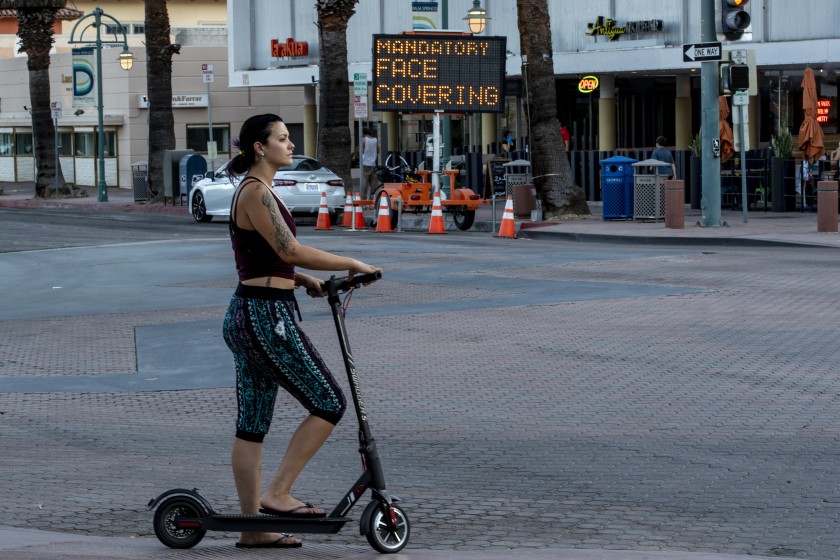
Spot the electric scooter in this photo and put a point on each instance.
(184, 516)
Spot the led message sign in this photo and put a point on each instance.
(450, 73)
(823, 109)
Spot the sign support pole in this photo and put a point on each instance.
(709, 91)
(55, 108)
(744, 202)
(362, 179)
(436, 152)
(208, 77)
(56, 157)
(446, 155)
(210, 128)
(360, 91)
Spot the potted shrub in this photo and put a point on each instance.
(696, 169)
(782, 173)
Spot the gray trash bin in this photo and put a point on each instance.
(649, 190)
(517, 172)
(139, 182)
(518, 185)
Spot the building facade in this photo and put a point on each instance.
(200, 28)
(633, 48)
(265, 58)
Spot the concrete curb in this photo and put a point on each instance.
(30, 544)
(537, 233)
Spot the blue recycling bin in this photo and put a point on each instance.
(191, 168)
(617, 187)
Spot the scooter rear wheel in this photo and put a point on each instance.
(168, 513)
(381, 537)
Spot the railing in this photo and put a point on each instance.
(770, 182)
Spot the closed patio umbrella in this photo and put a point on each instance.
(727, 141)
(810, 133)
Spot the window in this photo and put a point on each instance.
(23, 143)
(110, 144)
(197, 138)
(84, 142)
(7, 148)
(115, 29)
(65, 143)
(139, 28)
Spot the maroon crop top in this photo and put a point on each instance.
(255, 257)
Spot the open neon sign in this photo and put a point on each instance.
(588, 84)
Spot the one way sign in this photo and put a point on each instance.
(700, 52)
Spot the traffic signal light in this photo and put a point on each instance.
(733, 20)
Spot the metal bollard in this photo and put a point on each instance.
(675, 204)
(827, 206)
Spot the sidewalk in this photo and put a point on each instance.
(762, 229)
(22, 195)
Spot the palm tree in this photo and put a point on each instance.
(159, 53)
(333, 132)
(553, 175)
(35, 30)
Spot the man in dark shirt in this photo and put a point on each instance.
(663, 154)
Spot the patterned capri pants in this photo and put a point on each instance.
(269, 351)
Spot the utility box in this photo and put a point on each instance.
(191, 168)
(172, 171)
(649, 190)
(617, 188)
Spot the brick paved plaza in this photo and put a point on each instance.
(523, 393)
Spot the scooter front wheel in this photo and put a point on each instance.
(387, 528)
(166, 527)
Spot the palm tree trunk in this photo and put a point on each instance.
(159, 53)
(549, 165)
(35, 30)
(333, 131)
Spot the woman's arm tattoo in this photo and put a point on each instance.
(283, 237)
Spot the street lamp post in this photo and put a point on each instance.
(126, 62)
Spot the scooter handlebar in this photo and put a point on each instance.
(339, 284)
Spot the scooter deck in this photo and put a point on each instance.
(266, 523)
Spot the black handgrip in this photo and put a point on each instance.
(336, 285)
(341, 284)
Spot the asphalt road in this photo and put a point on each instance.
(527, 394)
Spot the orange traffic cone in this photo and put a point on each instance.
(508, 226)
(436, 223)
(358, 213)
(323, 214)
(347, 218)
(383, 219)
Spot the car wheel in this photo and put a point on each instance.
(199, 208)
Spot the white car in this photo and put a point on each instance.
(300, 185)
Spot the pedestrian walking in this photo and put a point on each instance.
(370, 155)
(663, 154)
